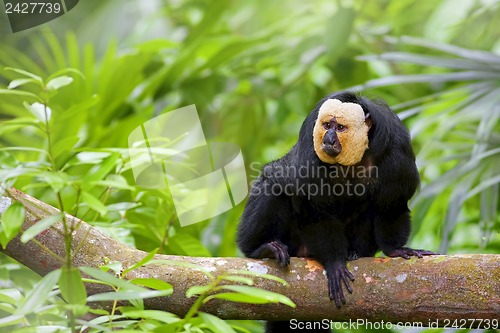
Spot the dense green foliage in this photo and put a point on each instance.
(72, 90)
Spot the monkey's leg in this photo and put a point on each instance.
(360, 237)
(274, 249)
(327, 243)
(406, 252)
(392, 231)
(264, 228)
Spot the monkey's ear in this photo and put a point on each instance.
(368, 120)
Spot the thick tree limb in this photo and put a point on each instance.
(394, 290)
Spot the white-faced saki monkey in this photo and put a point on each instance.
(340, 193)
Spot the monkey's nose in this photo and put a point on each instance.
(331, 149)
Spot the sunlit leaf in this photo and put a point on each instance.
(41, 111)
(59, 82)
(39, 227)
(216, 324)
(71, 286)
(141, 262)
(270, 296)
(11, 221)
(19, 82)
(94, 203)
(25, 73)
(165, 317)
(18, 93)
(57, 180)
(38, 295)
(128, 295)
(152, 283)
(197, 290)
(111, 279)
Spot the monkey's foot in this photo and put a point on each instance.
(274, 249)
(406, 252)
(337, 273)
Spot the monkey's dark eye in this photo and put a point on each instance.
(326, 126)
(341, 128)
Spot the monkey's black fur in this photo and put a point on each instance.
(335, 227)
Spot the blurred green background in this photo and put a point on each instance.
(255, 69)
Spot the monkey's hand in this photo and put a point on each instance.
(406, 252)
(338, 274)
(274, 249)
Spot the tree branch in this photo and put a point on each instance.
(393, 290)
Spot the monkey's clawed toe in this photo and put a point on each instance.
(280, 252)
(338, 274)
(406, 252)
(273, 249)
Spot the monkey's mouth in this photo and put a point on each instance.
(332, 149)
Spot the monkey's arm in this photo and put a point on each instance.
(263, 230)
(398, 182)
(392, 230)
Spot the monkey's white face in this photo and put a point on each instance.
(340, 133)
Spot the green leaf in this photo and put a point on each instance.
(11, 221)
(7, 308)
(10, 296)
(483, 185)
(26, 73)
(115, 181)
(270, 296)
(341, 24)
(64, 146)
(238, 298)
(16, 123)
(425, 60)
(122, 206)
(141, 262)
(57, 180)
(71, 286)
(18, 93)
(39, 294)
(215, 323)
(477, 55)
(115, 266)
(241, 279)
(197, 290)
(92, 157)
(164, 317)
(11, 320)
(67, 71)
(77, 309)
(128, 295)
(427, 78)
(19, 82)
(110, 279)
(59, 82)
(41, 111)
(152, 283)
(39, 227)
(260, 275)
(94, 203)
(100, 171)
